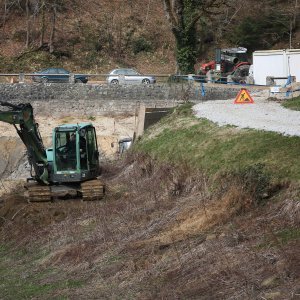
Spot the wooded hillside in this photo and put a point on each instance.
(96, 36)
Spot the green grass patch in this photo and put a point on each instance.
(280, 238)
(293, 103)
(21, 278)
(286, 235)
(203, 145)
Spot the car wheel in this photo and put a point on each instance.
(114, 81)
(44, 80)
(146, 81)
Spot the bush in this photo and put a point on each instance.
(255, 180)
(19, 36)
(252, 180)
(140, 44)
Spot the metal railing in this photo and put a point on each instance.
(101, 78)
(98, 77)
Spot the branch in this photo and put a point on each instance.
(169, 14)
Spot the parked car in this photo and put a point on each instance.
(129, 76)
(57, 75)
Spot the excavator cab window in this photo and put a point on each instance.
(65, 151)
(92, 148)
(82, 149)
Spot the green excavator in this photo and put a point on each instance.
(70, 168)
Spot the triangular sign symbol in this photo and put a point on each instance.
(243, 97)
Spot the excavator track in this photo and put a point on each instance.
(92, 190)
(38, 193)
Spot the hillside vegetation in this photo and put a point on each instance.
(96, 36)
(194, 211)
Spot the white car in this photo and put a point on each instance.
(129, 76)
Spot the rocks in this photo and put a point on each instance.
(272, 296)
(269, 282)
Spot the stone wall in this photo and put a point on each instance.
(96, 99)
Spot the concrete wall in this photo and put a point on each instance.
(95, 99)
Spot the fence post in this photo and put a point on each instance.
(72, 78)
(21, 78)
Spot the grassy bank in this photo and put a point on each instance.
(293, 104)
(206, 146)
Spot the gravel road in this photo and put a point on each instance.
(262, 114)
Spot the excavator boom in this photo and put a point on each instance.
(21, 117)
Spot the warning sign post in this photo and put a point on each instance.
(243, 97)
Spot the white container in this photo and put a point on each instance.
(276, 63)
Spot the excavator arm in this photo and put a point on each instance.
(21, 117)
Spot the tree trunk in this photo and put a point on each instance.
(52, 34)
(183, 16)
(4, 15)
(28, 24)
(43, 27)
(185, 50)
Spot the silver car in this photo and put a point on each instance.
(128, 76)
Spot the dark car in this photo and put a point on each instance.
(57, 75)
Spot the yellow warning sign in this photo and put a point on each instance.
(243, 97)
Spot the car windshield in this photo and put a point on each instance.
(45, 71)
(62, 71)
(132, 72)
(54, 71)
(125, 72)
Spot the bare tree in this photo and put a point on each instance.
(43, 26)
(53, 27)
(7, 5)
(27, 7)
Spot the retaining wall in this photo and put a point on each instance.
(95, 99)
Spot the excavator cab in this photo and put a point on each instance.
(75, 153)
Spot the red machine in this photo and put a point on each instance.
(227, 61)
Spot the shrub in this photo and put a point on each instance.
(256, 180)
(253, 180)
(250, 185)
(19, 36)
(141, 44)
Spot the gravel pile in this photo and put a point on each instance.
(262, 114)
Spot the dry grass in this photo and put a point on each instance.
(162, 232)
